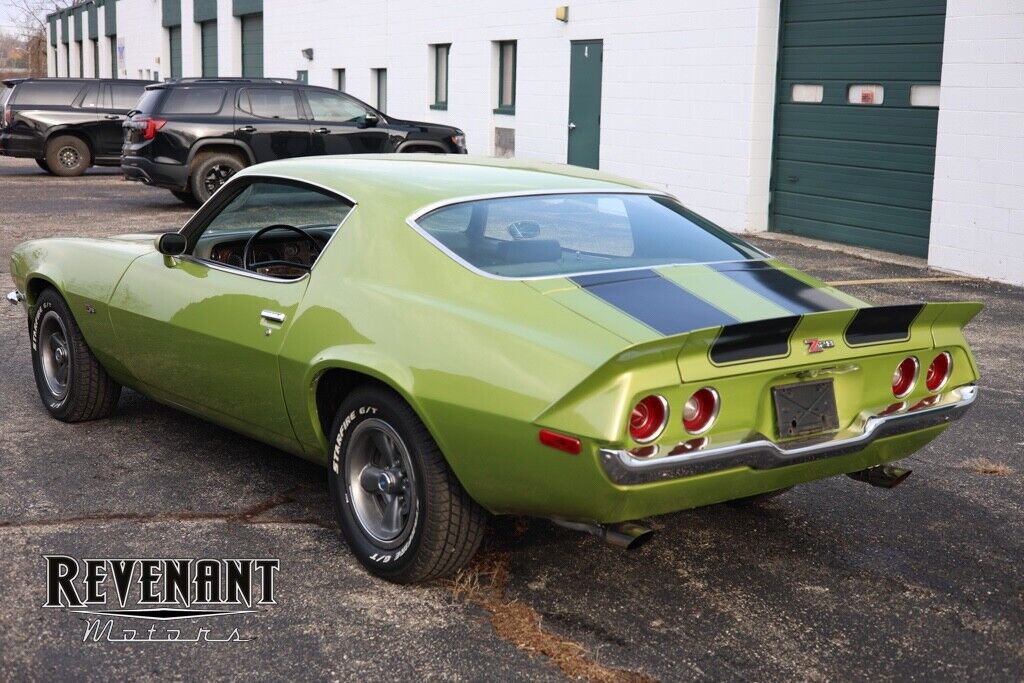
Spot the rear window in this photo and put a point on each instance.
(149, 100)
(5, 93)
(193, 101)
(47, 93)
(561, 234)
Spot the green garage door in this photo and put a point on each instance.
(855, 123)
(174, 37)
(252, 46)
(209, 48)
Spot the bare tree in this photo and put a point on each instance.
(30, 18)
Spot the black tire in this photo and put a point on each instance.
(759, 498)
(442, 527)
(43, 165)
(185, 196)
(67, 156)
(210, 170)
(88, 393)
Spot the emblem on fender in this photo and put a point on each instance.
(818, 345)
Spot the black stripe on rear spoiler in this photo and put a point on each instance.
(881, 324)
(757, 339)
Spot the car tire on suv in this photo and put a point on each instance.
(45, 166)
(67, 156)
(210, 170)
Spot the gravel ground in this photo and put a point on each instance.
(834, 580)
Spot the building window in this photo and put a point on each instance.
(380, 79)
(441, 53)
(809, 93)
(865, 94)
(339, 79)
(924, 95)
(113, 57)
(506, 77)
(302, 76)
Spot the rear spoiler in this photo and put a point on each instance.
(711, 352)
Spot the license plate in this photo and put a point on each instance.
(805, 408)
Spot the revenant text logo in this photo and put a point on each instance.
(114, 594)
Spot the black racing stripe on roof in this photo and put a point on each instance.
(882, 324)
(654, 301)
(779, 287)
(757, 339)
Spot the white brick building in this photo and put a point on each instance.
(827, 127)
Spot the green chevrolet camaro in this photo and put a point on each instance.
(452, 337)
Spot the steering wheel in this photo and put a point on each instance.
(247, 252)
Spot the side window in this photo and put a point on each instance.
(280, 253)
(125, 97)
(270, 103)
(92, 98)
(47, 93)
(193, 101)
(330, 107)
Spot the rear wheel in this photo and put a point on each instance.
(210, 170)
(72, 383)
(67, 156)
(185, 196)
(43, 165)
(404, 514)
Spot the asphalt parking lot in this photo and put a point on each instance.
(834, 580)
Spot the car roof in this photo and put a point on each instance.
(410, 182)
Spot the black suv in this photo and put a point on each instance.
(66, 124)
(191, 135)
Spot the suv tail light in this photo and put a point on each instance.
(700, 410)
(146, 126)
(939, 371)
(905, 377)
(648, 418)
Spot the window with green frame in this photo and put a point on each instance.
(302, 76)
(441, 53)
(380, 78)
(339, 79)
(506, 77)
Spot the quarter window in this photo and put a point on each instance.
(506, 77)
(192, 101)
(125, 96)
(441, 53)
(270, 103)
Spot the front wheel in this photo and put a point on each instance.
(72, 383)
(404, 514)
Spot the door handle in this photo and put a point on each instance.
(113, 117)
(322, 131)
(272, 316)
(572, 126)
(246, 129)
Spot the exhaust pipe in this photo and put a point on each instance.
(883, 476)
(625, 535)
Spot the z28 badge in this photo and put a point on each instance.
(818, 345)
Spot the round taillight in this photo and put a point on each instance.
(648, 418)
(700, 410)
(904, 377)
(939, 371)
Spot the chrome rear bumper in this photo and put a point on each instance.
(622, 467)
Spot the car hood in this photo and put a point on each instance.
(424, 127)
(649, 303)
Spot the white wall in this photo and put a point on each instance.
(145, 40)
(978, 205)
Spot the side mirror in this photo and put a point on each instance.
(524, 230)
(371, 119)
(171, 244)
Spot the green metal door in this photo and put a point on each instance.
(174, 36)
(252, 46)
(855, 123)
(96, 58)
(208, 35)
(585, 103)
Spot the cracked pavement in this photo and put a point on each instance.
(834, 580)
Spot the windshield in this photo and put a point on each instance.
(560, 234)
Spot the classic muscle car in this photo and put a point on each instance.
(453, 337)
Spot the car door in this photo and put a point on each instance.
(115, 100)
(202, 332)
(272, 123)
(343, 125)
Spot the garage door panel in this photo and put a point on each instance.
(912, 158)
(252, 46)
(879, 31)
(890, 188)
(861, 123)
(866, 215)
(874, 239)
(863, 63)
(811, 10)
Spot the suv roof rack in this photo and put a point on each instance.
(231, 79)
